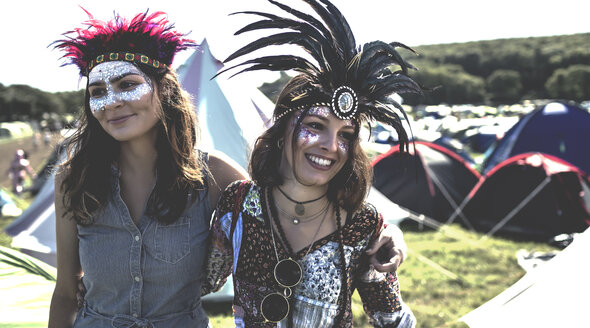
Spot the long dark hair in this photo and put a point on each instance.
(91, 153)
(350, 185)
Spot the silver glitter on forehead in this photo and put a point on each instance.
(105, 73)
(322, 111)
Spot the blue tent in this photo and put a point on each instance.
(558, 128)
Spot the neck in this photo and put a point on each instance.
(138, 156)
(298, 201)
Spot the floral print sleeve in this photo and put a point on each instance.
(221, 253)
(380, 292)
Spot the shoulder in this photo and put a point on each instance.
(237, 191)
(223, 171)
(367, 219)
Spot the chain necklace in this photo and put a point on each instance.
(313, 239)
(299, 208)
(296, 220)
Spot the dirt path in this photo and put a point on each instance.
(37, 155)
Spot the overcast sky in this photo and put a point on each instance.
(28, 27)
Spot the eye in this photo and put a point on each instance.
(127, 85)
(349, 136)
(315, 125)
(97, 92)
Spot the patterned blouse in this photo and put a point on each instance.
(249, 254)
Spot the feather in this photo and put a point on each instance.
(151, 35)
(337, 62)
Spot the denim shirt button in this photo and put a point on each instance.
(137, 279)
(136, 238)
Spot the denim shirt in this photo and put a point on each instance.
(144, 275)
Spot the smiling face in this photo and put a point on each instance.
(320, 148)
(122, 99)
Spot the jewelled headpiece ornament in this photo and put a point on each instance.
(355, 82)
(145, 39)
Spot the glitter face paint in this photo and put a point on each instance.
(109, 74)
(306, 136)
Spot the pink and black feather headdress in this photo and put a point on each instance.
(355, 82)
(147, 39)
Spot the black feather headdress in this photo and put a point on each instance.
(355, 82)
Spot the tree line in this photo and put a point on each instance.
(505, 71)
(493, 72)
(24, 103)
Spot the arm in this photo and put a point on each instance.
(62, 312)
(380, 294)
(221, 249)
(224, 171)
(388, 251)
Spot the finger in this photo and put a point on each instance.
(376, 245)
(391, 266)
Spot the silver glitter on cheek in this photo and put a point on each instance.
(306, 137)
(343, 146)
(105, 73)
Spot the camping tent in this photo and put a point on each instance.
(433, 183)
(551, 295)
(557, 129)
(34, 230)
(535, 196)
(232, 113)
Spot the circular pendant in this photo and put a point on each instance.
(299, 209)
(295, 221)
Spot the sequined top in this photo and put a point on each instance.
(249, 254)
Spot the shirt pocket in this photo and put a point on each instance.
(172, 241)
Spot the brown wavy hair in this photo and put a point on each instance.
(351, 184)
(91, 152)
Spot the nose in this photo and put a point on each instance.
(329, 142)
(112, 101)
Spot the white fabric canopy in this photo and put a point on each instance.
(552, 295)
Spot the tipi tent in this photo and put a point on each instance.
(558, 129)
(231, 113)
(534, 196)
(34, 230)
(551, 295)
(432, 181)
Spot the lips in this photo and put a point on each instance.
(320, 162)
(120, 119)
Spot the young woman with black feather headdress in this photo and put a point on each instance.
(294, 236)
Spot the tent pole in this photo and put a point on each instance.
(519, 206)
(448, 197)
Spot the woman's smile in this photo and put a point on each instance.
(320, 162)
(120, 119)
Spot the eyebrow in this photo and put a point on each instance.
(114, 79)
(326, 120)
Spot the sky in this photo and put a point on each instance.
(28, 27)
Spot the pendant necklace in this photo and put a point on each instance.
(299, 208)
(296, 220)
(273, 217)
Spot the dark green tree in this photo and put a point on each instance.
(504, 86)
(570, 83)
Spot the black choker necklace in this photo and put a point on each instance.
(299, 208)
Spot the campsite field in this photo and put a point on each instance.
(447, 274)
